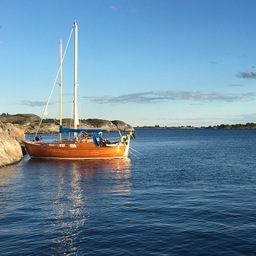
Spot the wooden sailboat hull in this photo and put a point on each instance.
(75, 150)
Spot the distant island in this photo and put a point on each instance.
(221, 126)
(30, 123)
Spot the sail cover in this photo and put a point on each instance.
(66, 130)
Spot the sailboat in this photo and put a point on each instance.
(85, 143)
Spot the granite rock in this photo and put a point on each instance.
(11, 138)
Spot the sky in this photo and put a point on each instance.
(145, 62)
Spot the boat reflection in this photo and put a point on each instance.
(80, 189)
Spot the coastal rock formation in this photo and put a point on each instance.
(30, 123)
(106, 125)
(10, 148)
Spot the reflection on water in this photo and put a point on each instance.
(70, 210)
(9, 183)
(78, 192)
(203, 201)
(8, 174)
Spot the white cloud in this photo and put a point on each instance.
(163, 96)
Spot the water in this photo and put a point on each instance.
(183, 192)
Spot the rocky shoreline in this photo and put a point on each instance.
(14, 127)
(30, 123)
(11, 139)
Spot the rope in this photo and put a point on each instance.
(134, 155)
(135, 150)
(54, 83)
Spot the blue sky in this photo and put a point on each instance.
(146, 62)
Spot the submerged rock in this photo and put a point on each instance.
(10, 147)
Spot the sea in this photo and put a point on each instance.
(181, 192)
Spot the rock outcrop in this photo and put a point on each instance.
(10, 147)
(30, 123)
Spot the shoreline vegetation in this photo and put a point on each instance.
(221, 126)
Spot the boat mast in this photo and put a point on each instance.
(60, 135)
(75, 113)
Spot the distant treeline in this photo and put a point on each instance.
(233, 126)
(221, 126)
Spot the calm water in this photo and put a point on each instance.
(183, 192)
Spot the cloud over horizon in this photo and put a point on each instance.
(248, 75)
(34, 103)
(163, 96)
(158, 96)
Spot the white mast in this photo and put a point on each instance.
(75, 113)
(60, 137)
